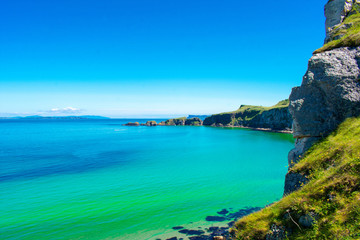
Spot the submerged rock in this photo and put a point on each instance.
(215, 219)
(178, 227)
(223, 212)
(192, 232)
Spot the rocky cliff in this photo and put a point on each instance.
(275, 118)
(324, 166)
(329, 93)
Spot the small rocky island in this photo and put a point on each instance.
(195, 121)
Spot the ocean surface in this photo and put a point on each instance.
(97, 179)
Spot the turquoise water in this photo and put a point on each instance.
(96, 179)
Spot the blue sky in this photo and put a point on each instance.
(158, 58)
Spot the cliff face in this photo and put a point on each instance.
(329, 93)
(275, 118)
(326, 175)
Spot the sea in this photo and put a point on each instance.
(97, 179)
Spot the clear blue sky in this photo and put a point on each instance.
(152, 58)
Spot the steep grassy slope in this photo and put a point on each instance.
(347, 34)
(276, 117)
(330, 202)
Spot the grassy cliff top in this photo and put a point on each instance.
(250, 108)
(348, 31)
(332, 194)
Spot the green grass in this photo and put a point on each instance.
(251, 108)
(351, 36)
(244, 116)
(333, 192)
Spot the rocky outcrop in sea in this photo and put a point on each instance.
(195, 121)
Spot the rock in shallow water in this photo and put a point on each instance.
(215, 219)
(223, 212)
(192, 232)
(178, 227)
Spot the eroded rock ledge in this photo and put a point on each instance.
(329, 93)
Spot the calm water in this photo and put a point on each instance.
(96, 179)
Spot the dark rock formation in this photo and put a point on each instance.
(223, 212)
(184, 121)
(192, 232)
(178, 227)
(173, 238)
(175, 122)
(193, 122)
(215, 218)
(275, 118)
(150, 124)
(132, 124)
(293, 181)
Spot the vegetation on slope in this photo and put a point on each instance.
(276, 117)
(347, 34)
(331, 198)
(259, 109)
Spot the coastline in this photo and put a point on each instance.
(257, 129)
(154, 123)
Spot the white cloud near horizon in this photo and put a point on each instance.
(66, 110)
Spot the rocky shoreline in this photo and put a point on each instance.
(198, 122)
(224, 216)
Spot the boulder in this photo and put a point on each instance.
(308, 220)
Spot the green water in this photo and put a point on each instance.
(100, 180)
